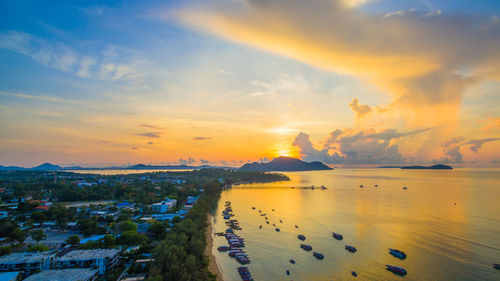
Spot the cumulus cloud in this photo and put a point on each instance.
(451, 151)
(355, 147)
(201, 138)
(477, 144)
(203, 161)
(359, 109)
(149, 134)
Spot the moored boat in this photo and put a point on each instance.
(396, 270)
(496, 266)
(288, 272)
(292, 261)
(397, 253)
(354, 273)
(223, 248)
(277, 230)
(337, 236)
(351, 249)
(319, 256)
(301, 237)
(306, 247)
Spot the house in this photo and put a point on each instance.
(4, 214)
(103, 259)
(54, 239)
(76, 274)
(27, 262)
(164, 206)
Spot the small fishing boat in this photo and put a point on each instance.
(376, 185)
(397, 253)
(296, 226)
(281, 221)
(351, 249)
(292, 261)
(306, 247)
(396, 270)
(361, 185)
(277, 230)
(404, 187)
(496, 266)
(253, 208)
(259, 211)
(260, 226)
(319, 256)
(274, 224)
(267, 222)
(337, 236)
(354, 273)
(301, 237)
(288, 272)
(272, 210)
(223, 248)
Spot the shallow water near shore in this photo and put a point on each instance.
(447, 222)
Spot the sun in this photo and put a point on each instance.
(285, 149)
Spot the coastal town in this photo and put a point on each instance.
(57, 225)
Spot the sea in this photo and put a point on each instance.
(446, 221)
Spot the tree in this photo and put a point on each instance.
(38, 248)
(73, 240)
(38, 235)
(126, 226)
(38, 217)
(5, 250)
(88, 226)
(18, 235)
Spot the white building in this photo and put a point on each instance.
(103, 259)
(27, 262)
(164, 206)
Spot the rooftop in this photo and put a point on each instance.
(16, 258)
(76, 274)
(8, 276)
(88, 254)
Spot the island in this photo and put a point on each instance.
(433, 167)
(284, 164)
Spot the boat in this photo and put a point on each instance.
(396, 270)
(260, 226)
(319, 256)
(361, 186)
(351, 249)
(397, 253)
(337, 236)
(253, 208)
(323, 187)
(281, 221)
(376, 185)
(354, 273)
(404, 187)
(223, 248)
(277, 230)
(272, 210)
(301, 237)
(306, 247)
(267, 222)
(292, 261)
(288, 272)
(496, 266)
(296, 226)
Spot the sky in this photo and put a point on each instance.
(345, 82)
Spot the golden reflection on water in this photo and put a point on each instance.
(445, 221)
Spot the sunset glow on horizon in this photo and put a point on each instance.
(347, 83)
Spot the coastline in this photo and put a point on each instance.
(212, 267)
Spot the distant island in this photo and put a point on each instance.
(434, 167)
(284, 164)
(52, 167)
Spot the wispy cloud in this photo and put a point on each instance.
(202, 138)
(477, 144)
(151, 126)
(149, 134)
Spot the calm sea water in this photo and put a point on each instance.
(447, 222)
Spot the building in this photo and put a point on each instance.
(76, 274)
(54, 239)
(4, 214)
(10, 276)
(103, 259)
(27, 262)
(164, 206)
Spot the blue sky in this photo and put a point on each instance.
(79, 80)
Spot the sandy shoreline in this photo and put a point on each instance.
(212, 267)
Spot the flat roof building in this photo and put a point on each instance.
(100, 258)
(10, 276)
(76, 274)
(27, 262)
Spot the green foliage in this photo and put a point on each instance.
(73, 240)
(130, 238)
(38, 235)
(88, 226)
(180, 256)
(5, 250)
(38, 248)
(38, 217)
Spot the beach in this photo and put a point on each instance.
(213, 267)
